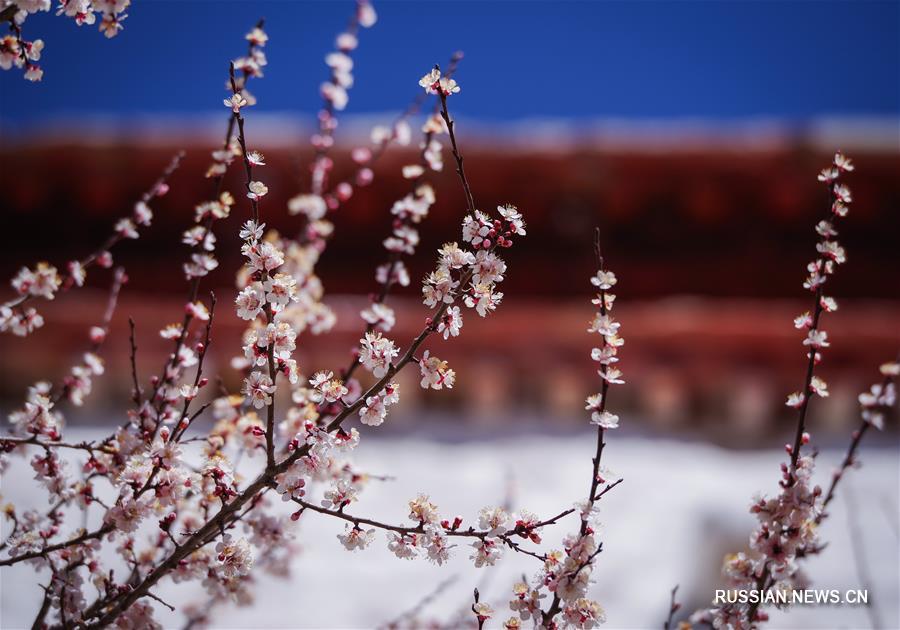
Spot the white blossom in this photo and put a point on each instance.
(435, 373)
(376, 353)
(356, 538)
(259, 388)
(256, 190)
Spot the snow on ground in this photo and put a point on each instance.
(680, 508)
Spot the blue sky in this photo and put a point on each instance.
(639, 59)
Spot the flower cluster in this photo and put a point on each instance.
(374, 412)
(38, 416)
(356, 538)
(111, 13)
(42, 281)
(235, 557)
(786, 525)
(434, 83)
(17, 52)
(20, 53)
(435, 373)
(267, 293)
(473, 276)
(326, 388)
(567, 575)
(487, 551)
(376, 353)
(526, 602)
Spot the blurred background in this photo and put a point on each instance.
(690, 133)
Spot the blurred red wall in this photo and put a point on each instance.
(730, 227)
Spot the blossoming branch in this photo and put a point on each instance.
(165, 498)
(18, 52)
(144, 459)
(44, 281)
(787, 530)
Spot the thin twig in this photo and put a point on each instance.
(114, 238)
(673, 608)
(412, 612)
(859, 555)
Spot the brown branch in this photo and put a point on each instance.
(119, 278)
(673, 608)
(7, 14)
(821, 264)
(161, 601)
(811, 363)
(445, 114)
(179, 429)
(38, 623)
(99, 533)
(136, 394)
(10, 442)
(267, 308)
(593, 496)
(850, 456)
(506, 537)
(193, 291)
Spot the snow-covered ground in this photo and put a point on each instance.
(680, 508)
